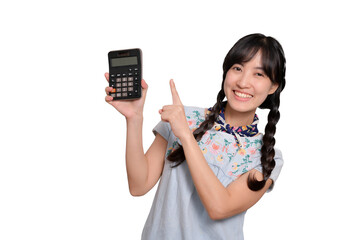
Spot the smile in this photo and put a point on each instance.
(242, 95)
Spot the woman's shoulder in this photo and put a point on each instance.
(192, 112)
(195, 111)
(195, 115)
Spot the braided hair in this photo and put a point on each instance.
(273, 63)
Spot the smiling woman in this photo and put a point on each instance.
(246, 87)
(213, 163)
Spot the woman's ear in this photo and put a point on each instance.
(274, 87)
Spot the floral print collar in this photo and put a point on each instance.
(242, 131)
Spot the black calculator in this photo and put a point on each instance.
(125, 74)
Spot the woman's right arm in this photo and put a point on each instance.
(143, 170)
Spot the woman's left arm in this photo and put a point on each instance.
(219, 201)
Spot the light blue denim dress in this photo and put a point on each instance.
(177, 212)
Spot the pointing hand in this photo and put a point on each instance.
(175, 114)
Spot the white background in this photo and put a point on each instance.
(62, 171)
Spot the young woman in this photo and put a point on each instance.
(213, 163)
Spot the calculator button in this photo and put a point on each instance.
(124, 89)
(124, 94)
(130, 79)
(113, 94)
(118, 94)
(124, 84)
(130, 84)
(118, 90)
(118, 75)
(124, 79)
(112, 75)
(114, 90)
(118, 85)
(118, 79)
(130, 89)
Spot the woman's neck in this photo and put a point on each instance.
(238, 119)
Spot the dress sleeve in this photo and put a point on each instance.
(164, 129)
(279, 162)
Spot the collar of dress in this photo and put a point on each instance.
(242, 131)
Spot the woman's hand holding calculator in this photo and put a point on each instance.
(128, 108)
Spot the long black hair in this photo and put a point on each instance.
(274, 65)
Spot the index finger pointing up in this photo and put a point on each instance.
(174, 93)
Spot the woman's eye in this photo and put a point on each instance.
(260, 74)
(237, 68)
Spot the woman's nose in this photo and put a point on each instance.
(244, 80)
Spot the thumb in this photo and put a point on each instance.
(174, 93)
(144, 86)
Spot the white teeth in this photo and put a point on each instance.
(242, 95)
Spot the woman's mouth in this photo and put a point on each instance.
(243, 95)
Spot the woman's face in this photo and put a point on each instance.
(246, 86)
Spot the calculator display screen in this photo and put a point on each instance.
(124, 61)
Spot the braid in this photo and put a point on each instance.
(267, 149)
(178, 155)
(210, 118)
